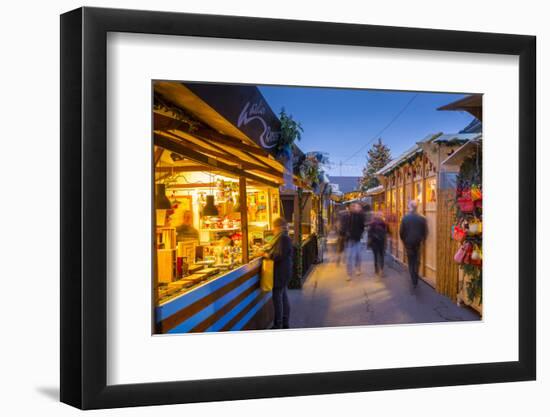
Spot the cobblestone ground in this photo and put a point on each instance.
(328, 300)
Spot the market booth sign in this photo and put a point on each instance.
(244, 107)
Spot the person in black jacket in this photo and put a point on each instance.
(282, 255)
(354, 232)
(377, 232)
(413, 231)
(341, 230)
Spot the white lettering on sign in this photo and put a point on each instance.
(249, 113)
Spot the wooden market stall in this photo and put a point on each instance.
(465, 219)
(462, 206)
(301, 207)
(216, 196)
(377, 197)
(416, 175)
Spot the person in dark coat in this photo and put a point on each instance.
(413, 231)
(341, 230)
(377, 232)
(355, 228)
(282, 254)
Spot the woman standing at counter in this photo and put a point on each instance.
(282, 255)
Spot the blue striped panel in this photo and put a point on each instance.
(234, 311)
(210, 309)
(175, 305)
(251, 313)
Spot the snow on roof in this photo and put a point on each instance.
(375, 190)
(459, 137)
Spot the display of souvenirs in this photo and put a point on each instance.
(468, 230)
(200, 238)
(257, 206)
(220, 223)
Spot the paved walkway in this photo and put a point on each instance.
(328, 300)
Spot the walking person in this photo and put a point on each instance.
(354, 233)
(341, 230)
(377, 230)
(413, 231)
(282, 254)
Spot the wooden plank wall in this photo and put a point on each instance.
(447, 269)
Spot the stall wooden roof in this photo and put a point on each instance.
(207, 139)
(471, 103)
(440, 138)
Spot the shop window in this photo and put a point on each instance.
(418, 194)
(259, 220)
(431, 191)
(199, 231)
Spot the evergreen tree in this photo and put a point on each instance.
(378, 156)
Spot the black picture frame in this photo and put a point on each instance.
(84, 207)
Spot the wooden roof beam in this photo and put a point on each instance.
(222, 155)
(165, 122)
(205, 159)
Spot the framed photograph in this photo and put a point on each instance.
(257, 208)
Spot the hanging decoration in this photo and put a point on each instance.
(469, 223)
(311, 168)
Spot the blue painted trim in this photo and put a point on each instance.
(252, 312)
(184, 300)
(207, 311)
(217, 326)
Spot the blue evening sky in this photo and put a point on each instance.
(341, 121)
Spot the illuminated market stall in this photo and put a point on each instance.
(417, 174)
(216, 196)
(463, 257)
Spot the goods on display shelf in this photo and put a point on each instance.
(468, 230)
(200, 238)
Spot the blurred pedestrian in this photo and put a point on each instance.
(413, 231)
(341, 230)
(367, 209)
(354, 233)
(377, 230)
(282, 254)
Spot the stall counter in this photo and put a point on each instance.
(232, 301)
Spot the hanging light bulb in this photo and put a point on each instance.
(210, 209)
(161, 201)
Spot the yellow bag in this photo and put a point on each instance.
(475, 193)
(266, 276)
(474, 227)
